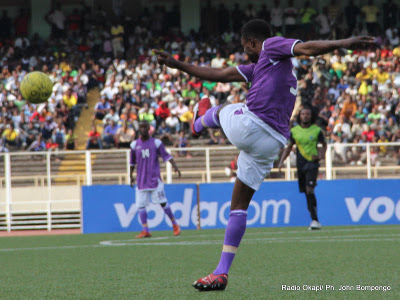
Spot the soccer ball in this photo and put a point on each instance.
(36, 87)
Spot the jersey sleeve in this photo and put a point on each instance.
(162, 151)
(246, 71)
(278, 48)
(133, 154)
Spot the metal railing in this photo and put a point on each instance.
(48, 180)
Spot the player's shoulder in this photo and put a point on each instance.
(133, 145)
(315, 127)
(272, 40)
(157, 142)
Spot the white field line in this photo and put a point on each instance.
(310, 239)
(316, 232)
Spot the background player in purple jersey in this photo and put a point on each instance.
(144, 154)
(261, 127)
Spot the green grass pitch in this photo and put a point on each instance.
(117, 266)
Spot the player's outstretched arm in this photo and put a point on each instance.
(313, 48)
(205, 73)
(176, 169)
(285, 154)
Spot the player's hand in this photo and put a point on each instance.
(315, 158)
(164, 58)
(358, 42)
(178, 172)
(132, 182)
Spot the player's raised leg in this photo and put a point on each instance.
(204, 116)
(218, 280)
(170, 214)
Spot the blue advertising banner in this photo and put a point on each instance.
(111, 208)
(340, 202)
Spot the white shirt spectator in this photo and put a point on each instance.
(290, 20)
(109, 92)
(57, 17)
(276, 16)
(217, 62)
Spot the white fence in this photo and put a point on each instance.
(48, 204)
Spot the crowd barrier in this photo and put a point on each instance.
(275, 204)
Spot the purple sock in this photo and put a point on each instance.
(143, 219)
(233, 235)
(168, 212)
(210, 120)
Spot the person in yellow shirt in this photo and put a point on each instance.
(381, 75)
(187, 117)
(70, 99)
(383, 139)
(371, 13)
(363, 75)
(11, 136)
(117, 33)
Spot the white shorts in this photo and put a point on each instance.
(156, 195)
(259, 144)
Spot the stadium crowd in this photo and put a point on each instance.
(356, 94)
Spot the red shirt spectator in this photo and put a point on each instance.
(163, 110)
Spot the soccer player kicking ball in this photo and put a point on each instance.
(144, 153)
(306, 135)
(261, 127)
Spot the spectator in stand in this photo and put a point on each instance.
(11, 136)
(101, 109)
(117, 33)
(290, 14)
(162, 112)
(38, 144)
(21, 23)
(71, 140)
(187, 117)
(324, 24)
(277, 17)
(56, 19)
(110, 134)
(94, 141)
(146, 114)
(125, 135)
(371, 13)
(307, 15)
(48, 129)
(172, 122)
(183, 142)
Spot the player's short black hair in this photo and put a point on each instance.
(256, 28)
(314, 113)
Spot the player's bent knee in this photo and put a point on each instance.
(309, 190)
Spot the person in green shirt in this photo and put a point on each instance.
(307, 14)
(306, 136)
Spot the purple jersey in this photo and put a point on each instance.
(144, 155)
(273, 84)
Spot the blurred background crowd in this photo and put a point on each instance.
(355, 94)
